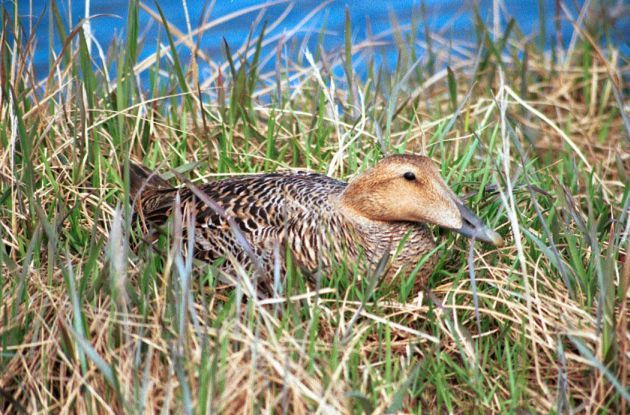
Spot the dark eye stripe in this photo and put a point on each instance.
(409, 176)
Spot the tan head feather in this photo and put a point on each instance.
(403, 188)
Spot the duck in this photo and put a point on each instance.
(381, 218)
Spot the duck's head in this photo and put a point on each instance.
(409, 188)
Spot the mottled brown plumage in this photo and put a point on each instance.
(322, 221)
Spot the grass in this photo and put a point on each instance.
(94, 320)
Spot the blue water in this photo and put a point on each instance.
(454, 20)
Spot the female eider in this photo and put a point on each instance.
(321, 221)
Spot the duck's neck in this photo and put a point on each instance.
(377, 237)
(372, 234)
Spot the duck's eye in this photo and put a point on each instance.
(409, 176)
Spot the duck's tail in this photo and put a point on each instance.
(143, 180)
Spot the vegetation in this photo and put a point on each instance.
(94, 319)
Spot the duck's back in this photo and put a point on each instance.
(266, 208)
(254, 201)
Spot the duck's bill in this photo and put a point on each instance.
(473, 227)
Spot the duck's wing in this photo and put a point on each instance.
(266, 209)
